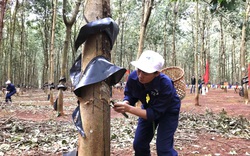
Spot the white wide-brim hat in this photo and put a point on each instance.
(149, 62)
(8, 82)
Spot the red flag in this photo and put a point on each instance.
(249, 74)
(206, 75)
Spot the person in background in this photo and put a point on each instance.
(225, 85)
(11, 90)
(200, 82)
(193, 81)
(160, 105)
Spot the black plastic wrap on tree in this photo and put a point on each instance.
(98, 69)
(106, 25)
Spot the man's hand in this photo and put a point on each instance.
(120, 107)
(123, 107)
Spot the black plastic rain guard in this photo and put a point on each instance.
(106, 25)
(75, 71)
(76, 116)
(98, 69)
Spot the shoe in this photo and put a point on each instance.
(8, 102)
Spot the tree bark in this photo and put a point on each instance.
(94, 107)
(233, 64)
(121, 22)
(146, 12)
(175, 12)
(52, 51)
(196, 57)
(165, 38)
(2, 13)
(243, 52)
(203, 51)
(44, 30)
(12, 39)
(21, 71)
(68, 23)
(223, 53)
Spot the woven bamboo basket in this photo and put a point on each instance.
(177, 75)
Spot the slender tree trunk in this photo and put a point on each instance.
(223, 65)
(203, 51)
(12, 39)
(208, 49)
(52, 51)
(116, 57)
(122, 54)
(73, 48)
(22, 49)
(222, 52)
(243, 51)
(146, 12)
(142, 31)
(175, 11)
(233, 64)
(2, 13)
(45, 31)
(222, 55)
(52, 42)
(58, 63)
(120, 23)
(165, 39)
(196, 56)
(33, 76)
(68, 24)
(193, 53)
(20, 78)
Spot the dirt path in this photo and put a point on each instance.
(217, 100)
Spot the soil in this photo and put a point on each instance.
(205, 144)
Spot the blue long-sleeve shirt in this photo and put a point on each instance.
(11, 88)
(158, 97)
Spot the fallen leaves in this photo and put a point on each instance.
(54, 137)
(48, 136)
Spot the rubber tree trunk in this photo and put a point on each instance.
(2, 14)
(243, 52)
(94, 100)
(68, 23)
(12, 40)
(175, 11)
(52, 51)
(196, 99)
(146, 12)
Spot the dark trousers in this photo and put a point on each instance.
(192, 90)
(200, 88)
(8, 96)
(165, 136)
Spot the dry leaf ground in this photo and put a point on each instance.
(28, 126)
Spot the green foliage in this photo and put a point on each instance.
(127, 13)
(225, 4)
(40, 7)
